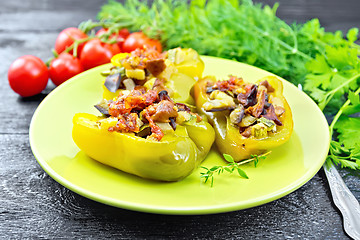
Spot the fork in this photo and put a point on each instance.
(344, 201)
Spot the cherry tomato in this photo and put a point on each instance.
(96, 53)
(64, 67)
(120, 36)
(154, 43)
(139, 40)
(28, 76)
(124, 33)
(66, 39)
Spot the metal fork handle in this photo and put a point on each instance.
(344, 201)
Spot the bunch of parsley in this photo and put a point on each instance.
(327, 64)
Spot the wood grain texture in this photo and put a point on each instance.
(33, 205)
(333, 15)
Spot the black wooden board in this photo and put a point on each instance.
(33, 205)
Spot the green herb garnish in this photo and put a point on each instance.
(230, 168)
(258, 158)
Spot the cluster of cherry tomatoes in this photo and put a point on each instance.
(28, 75)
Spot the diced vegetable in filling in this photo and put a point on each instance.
(135, 68)
(252, 107)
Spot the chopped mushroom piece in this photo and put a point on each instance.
(156, 66)
(266, 84)
(270, 114)
(262, 88)
(163, 95)
(163, 111)
(258, 108)
(249, 98)
(159, 85)
(247, 132)
(278, 105)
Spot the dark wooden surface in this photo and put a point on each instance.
(33, 205)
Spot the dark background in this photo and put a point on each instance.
(33, 205)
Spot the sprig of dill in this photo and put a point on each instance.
(245, 32)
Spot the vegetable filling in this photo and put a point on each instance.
(253, 108)
(149, 114)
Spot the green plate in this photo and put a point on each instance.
(286, 169)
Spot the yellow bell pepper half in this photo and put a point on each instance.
(228, 138)
(171, 159)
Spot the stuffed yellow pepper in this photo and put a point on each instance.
(145, 133)
(175, 71)
(248, 118)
